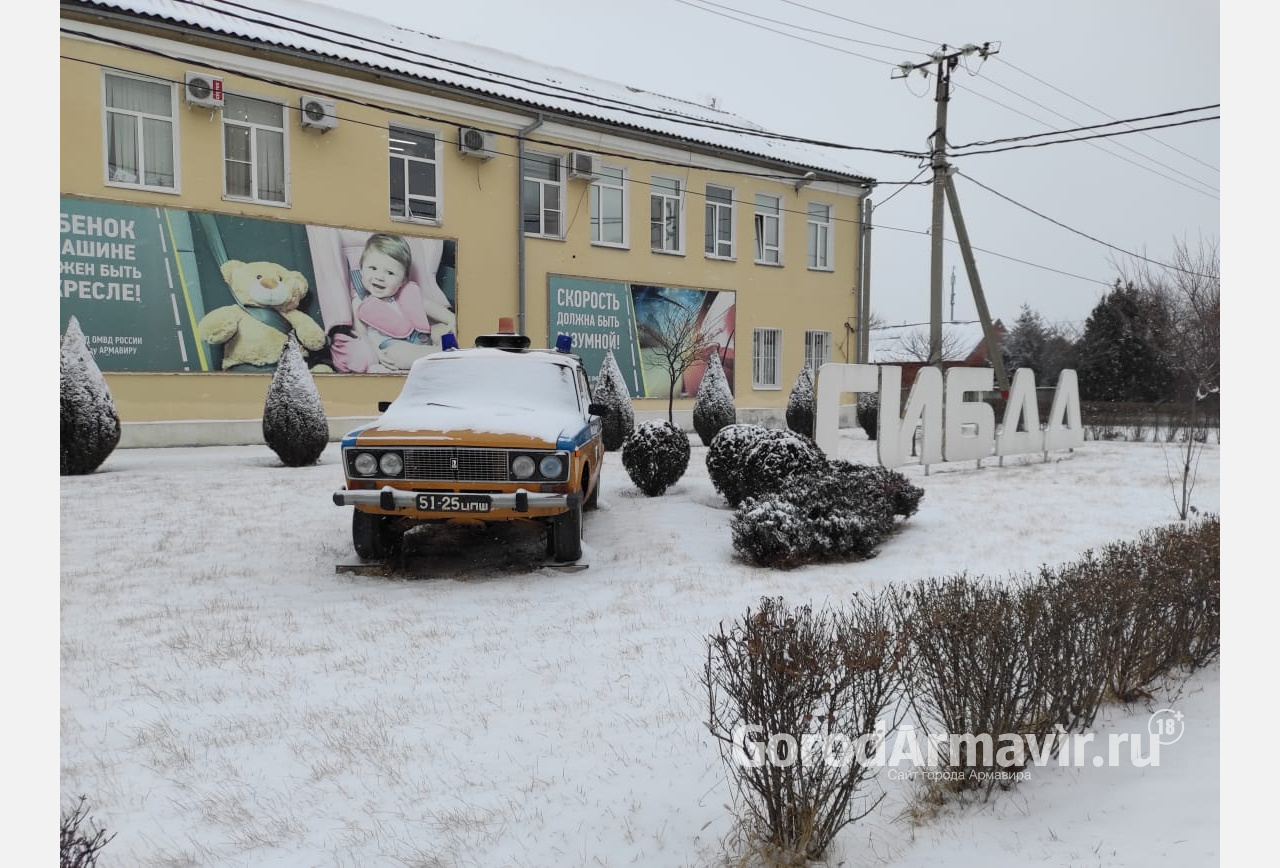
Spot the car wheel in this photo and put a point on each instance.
(369, 534)
(566, 534)
(593, 500)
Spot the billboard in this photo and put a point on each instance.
(166, 289)
(644, 326)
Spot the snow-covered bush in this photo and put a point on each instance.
(713, 407)
(868, 413)
(90, 426)
(293, 420)
(655, 456)
(726, 454)
(773, 460)
(836, 513)
(800, 405)
(830, 675)
(883, 483)
(611, 390)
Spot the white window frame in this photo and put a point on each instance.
(766, 359)
(768, 213)
(139, 117)
(254, 130)
(817, 348)
(543, 184)
(406, 161)
(820, 238)
(721, 248)
(670, 205)
(598, 187)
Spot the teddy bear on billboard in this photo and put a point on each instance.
(253, 331)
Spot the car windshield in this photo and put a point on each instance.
(505, 380)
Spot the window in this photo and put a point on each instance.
(820, 237)
(139, 130)
(768, 230)
(817, 349)
(415, 174)
(253, 150)
(666, 210)
(609, 207)
(719, 222)
(540, 195)
(766, 358)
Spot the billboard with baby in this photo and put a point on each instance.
(166, 289)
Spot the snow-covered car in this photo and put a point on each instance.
(500, 432)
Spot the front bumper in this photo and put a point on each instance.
(389, 498)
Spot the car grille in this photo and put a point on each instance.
(457, 465)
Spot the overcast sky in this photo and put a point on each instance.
(822, 69)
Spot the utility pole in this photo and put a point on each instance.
(943, 189)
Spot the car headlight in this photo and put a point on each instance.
(365, 464)
(391, 463)
(551, 466)
(522, 467)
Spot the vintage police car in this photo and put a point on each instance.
(500, 432)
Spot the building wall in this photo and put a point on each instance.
(339, 179)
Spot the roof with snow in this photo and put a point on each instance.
(341, 35)
(910, 343)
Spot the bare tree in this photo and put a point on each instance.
(913, 346)
(676, 337)
(1189, 287)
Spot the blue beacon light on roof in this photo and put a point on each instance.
(449, 341)
(564, 343)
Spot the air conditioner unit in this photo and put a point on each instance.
(318, 113)
(583, 165)
(475, 143)
(203, 90)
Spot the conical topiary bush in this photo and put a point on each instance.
(293, 420)
(90, 426)
(611, 390)
(713, 407)
(800, 406)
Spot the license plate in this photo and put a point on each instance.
(453, 502)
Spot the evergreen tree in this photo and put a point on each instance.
(800, 406)
(713, 408)
(611, 390)
(1119, 353)
(90, 426)
(293, 420)
(1024, 346)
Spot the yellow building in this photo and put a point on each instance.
(232, 176)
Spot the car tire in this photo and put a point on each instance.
(369, 535)
(593, 499)
(566, 534)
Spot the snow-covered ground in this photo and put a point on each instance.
(228, 698)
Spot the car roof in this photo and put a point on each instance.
(547, 356)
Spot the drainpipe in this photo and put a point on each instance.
(524, 131)
(864, 314)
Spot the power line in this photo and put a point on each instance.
(526, 86)
(432, 118)
(1094, 145)
(1017, 68)
(859, 23)
(904, 186)
(1078, 232)
(784, 33)
(1096, 136)
(1085, 128)
(1118, 144)
(795, 26)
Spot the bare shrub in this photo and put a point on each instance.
(80, 838)
(1156, 601)
(794, 697)
(1004, 670)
